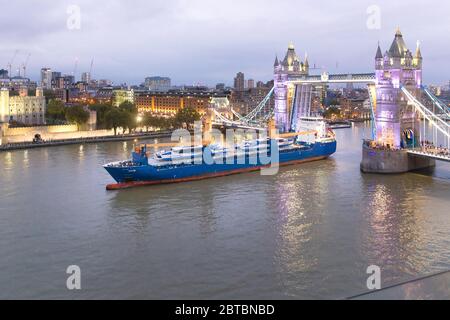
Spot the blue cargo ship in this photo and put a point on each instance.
(190, 163)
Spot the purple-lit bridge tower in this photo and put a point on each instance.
(294, 88)
(397, 112)
(397, 124)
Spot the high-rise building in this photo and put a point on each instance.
(86, 77)
(220, 86)
(239, 82)
(250, 84)
(161, 84)
(4, 74)
(46, 78)
(63, 82)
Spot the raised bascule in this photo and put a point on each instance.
(409, 124)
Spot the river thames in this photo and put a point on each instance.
(308, 232)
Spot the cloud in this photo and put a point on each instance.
(209, 41)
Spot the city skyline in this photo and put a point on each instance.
(239, 37)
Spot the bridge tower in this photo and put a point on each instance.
(284, 92)
(397, 123)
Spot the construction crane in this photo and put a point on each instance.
(24, 65)
(11, 62)
(90, 69)
(75, 70)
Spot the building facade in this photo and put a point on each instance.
(239, 82)
(168, 104)
(396, 122)
(120, 96)
(160, 84)
(243, 101)
(86, 77)
(24, 109)
(46, 78)
(290, 66)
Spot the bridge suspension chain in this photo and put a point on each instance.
(252, 115)
(437, 123)
(444, 108)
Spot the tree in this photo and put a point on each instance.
(114, 119)
(129, 120)
(332, 112)
(56, 110)
(129, 107)
(101, 109)
(149, 120)
(186, 116)
(155, 122)
(49, 95)
(77, 115)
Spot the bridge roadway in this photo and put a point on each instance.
(333, 78)
(441, 154)
(237, 126)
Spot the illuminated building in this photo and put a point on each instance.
(120, 96)
(290, 66)
(394, 118)
(170, 103)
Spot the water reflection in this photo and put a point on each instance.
(308, 232)
(396, 236)
(301, 196)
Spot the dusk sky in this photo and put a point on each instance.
(199, 41)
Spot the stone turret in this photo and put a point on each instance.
(291, 65)
(4, 105)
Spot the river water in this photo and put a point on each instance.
(309, 232)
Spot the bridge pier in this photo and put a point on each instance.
(392, 161)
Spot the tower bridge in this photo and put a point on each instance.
(409, 127)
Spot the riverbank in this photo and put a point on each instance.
(125, 137)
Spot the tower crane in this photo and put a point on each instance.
(11, 62)
(75, 69)
(24, 65)
(90, 69)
